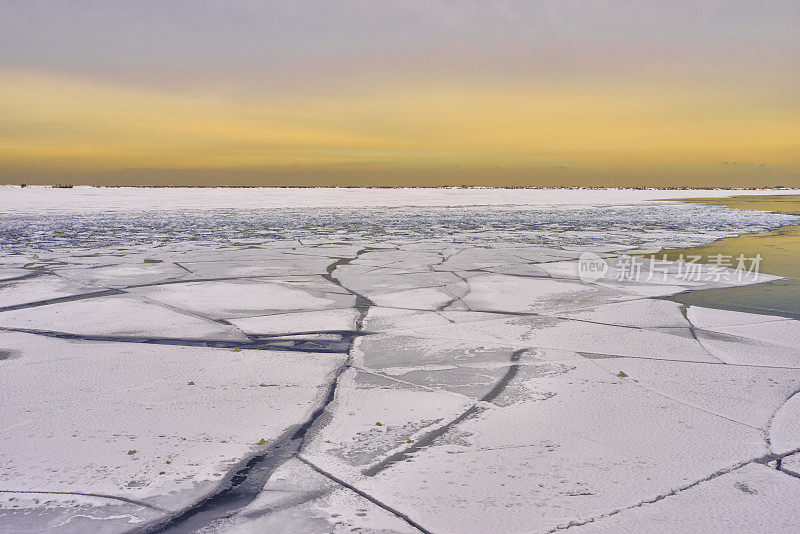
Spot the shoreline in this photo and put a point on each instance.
(780, 252)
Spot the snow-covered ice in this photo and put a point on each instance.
(383, 361)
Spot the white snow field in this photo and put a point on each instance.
(293, 360)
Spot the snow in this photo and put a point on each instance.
(35, 198)
(39, 289)
(791, 464)
(707, 318)
(326, 507)
(642, 313)
(117, 316)
(594, 442)
(81, 407)
(419, 299)
(242, 298)
(309, 321)
(131, 271)
(753, 498)
(784, 333)
(412, 360)
(784, 433)
(514, 294)
(748, 395)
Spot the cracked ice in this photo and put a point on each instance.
(400, 363)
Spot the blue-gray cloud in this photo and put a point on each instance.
(110, 34)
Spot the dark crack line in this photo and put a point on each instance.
(699, 362)
(433, 435)
(443, 306)
(787, 472)
(768, 427)
(277, 277)
(59, 300)
(397, 513)
(184, 311)
(226, 322)
(638, 384)
(86, 494)
(765, 459)
(685, 313)
(556, 316)
(362, 304)
(559, 317)
(312, 332)
(175, 263)
(312, 345)
(288, 504)
(243, 484)
(26, 276)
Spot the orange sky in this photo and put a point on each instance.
(666, 115)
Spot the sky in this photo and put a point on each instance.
(529, 93)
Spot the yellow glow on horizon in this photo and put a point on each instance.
(65, 123)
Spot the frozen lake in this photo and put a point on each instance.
(292, 360)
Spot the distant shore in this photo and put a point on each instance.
(346, 186)
(90, 198)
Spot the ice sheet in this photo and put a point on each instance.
(161, 425)
(121, 315)
(312, 321)
(242, 298)
(412, 360)
(754, 498)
